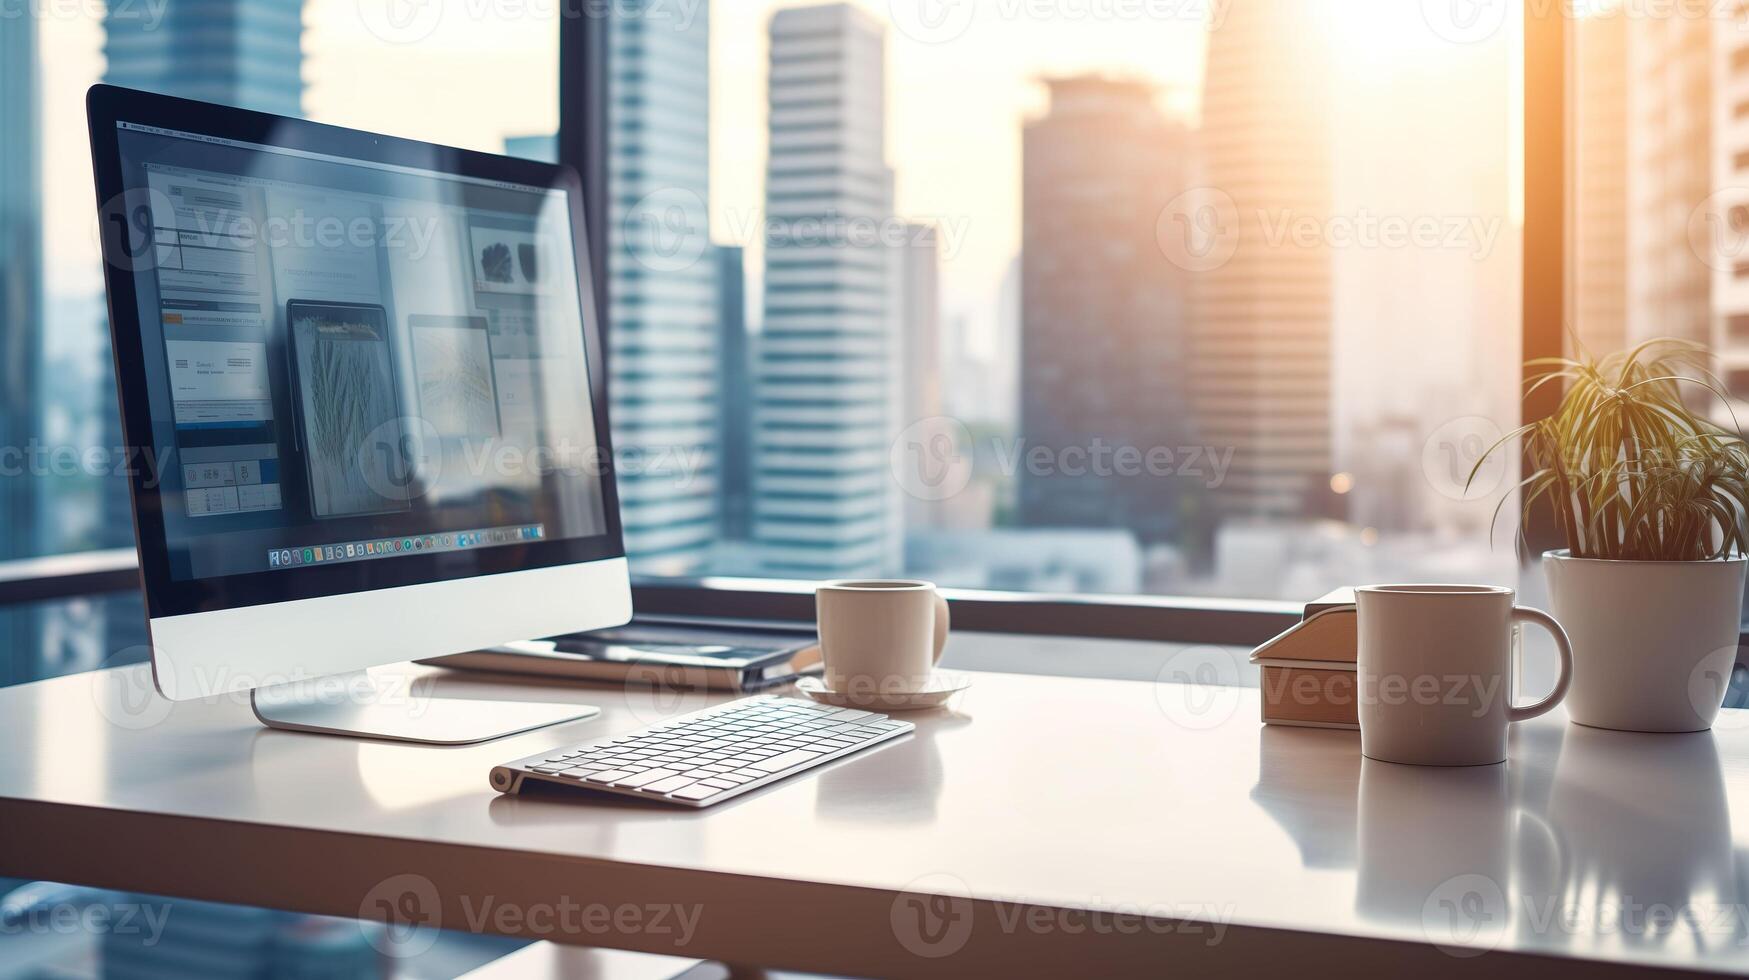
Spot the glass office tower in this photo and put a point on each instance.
(20, 317)
(1264, 319)
(246, 53)
(825, 504)
(1100, 300)
(662, 319)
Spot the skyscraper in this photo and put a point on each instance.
(1669, 172)
(21, 268)
(1263, 319)
(1728, 216)
(736, 417)
(920, 323)
(1599, 270)
(920, 343)
(825, 503)
(246, 53)
(662, 321)
(1103, 311)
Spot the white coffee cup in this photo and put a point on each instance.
(1434, 672)
(880, 637)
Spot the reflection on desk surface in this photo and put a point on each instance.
(1585, 838)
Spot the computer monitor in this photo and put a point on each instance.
(361, 385)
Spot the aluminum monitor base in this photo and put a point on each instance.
(390, 707)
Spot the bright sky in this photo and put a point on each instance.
(959, 94)
(488, 70)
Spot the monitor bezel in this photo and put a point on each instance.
(108, 106)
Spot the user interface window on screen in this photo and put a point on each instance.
(351, 362)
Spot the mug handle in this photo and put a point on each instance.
(1526, 614)
(941, 623)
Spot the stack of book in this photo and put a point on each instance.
(1308, 672)
(655, 654)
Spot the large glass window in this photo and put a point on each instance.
(474, 75)
(1203, 297)
(1658, 183)
(470, 74)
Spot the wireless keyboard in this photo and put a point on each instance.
(708, 756)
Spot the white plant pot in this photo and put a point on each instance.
(1653, 641)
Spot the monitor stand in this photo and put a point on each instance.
(389, 706)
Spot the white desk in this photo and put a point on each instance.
(1168, 803)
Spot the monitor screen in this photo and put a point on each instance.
(349, 361)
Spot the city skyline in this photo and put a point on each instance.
(1358, 331)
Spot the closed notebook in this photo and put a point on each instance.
(1308, 672)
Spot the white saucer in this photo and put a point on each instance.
(934, 694)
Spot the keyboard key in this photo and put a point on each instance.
(669, 785)
(733, 778)
(720, 783)
(785, 761)
(645, 778)
(697, 791)
(608, 776)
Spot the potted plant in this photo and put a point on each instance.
(1653, 502)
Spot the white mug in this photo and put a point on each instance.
(880, 636)
(1434, 668)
